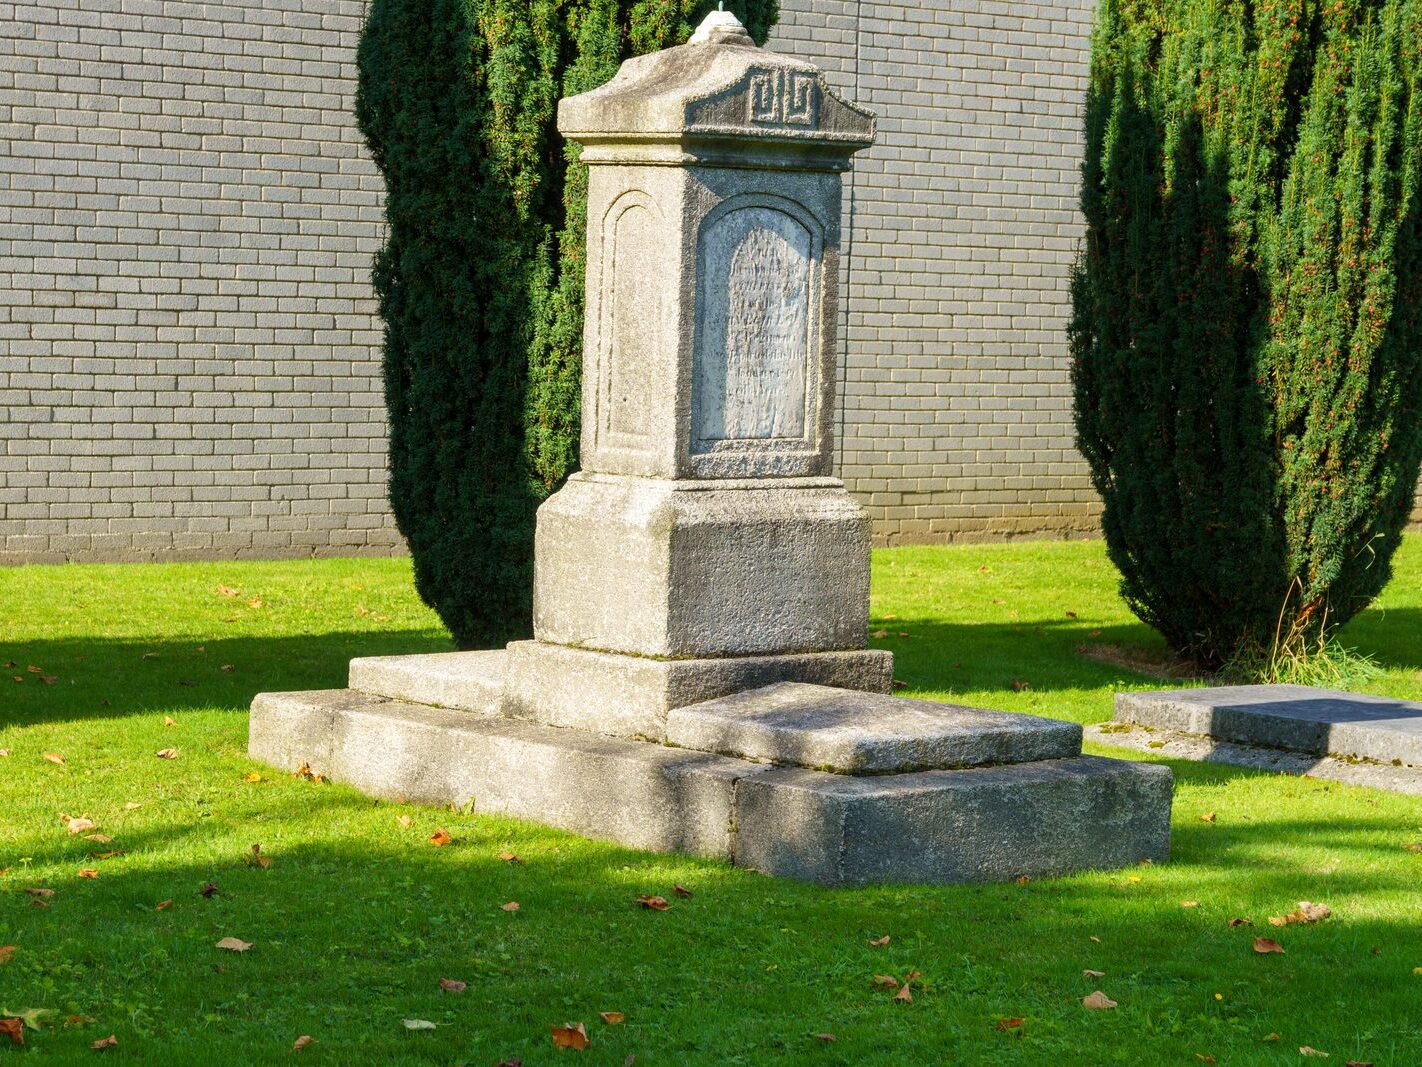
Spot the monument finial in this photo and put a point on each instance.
(721, 27)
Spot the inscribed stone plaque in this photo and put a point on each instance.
(757, 267)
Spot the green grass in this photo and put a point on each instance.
(359, 917)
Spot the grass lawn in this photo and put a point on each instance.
(358, 917)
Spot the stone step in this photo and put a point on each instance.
(848, 732)
(981, 824)
(1297, 718)
(465, 681)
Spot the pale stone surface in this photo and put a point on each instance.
(1167, 744)
(980, 824)
(837, 730)
(630, 696)
(696, 569)
(465, 681)
(1295, 717)
(636, 794)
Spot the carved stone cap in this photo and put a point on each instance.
(715, 91)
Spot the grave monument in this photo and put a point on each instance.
(699, 677)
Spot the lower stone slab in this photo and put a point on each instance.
(466, 681)
(1296, 718)
(1035, 819)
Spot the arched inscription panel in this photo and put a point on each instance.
(632, 312)
(752, 376)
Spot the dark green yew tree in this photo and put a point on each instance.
(480, 279)
(1247, 328)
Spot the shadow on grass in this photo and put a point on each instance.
(111, 678)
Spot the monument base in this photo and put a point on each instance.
(927, 792)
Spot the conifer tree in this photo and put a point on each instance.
(480, 279)
(1246, 339)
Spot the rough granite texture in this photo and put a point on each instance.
(845, 732)
(1294, 717)
(692, 569)
(465, 681)
(630, 696)
(982, 824)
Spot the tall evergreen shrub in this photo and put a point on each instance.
(480, 279)
(1247, 329)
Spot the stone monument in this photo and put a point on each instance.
(699, 677)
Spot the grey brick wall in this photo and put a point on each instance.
(188, 342)
(957, 412)
(189, 357)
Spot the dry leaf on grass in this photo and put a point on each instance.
(1014, 1023)
(227, 590)
(77, 824)
(828, 1039)
(234, 944)
(1306, 1050)
(612, 1018)
(301, 1042)
(1415, 847)
(110, 854)
(1305, 913)
(88, 872)
(1189, 903)
(1089, 973)
(509, 857)
(904, 994)
(405, 821)
(682, 891)
(209, 890)
(252, 776)
(1265, 945)
(418, 1024)
(440, 837)
(256, 858)
(6, 951)
(449, 985)
(167, 753)
(55, 758)
(255, 602)
(14, 1029)
(654, 903)
(885, 981)
(880, 942)
(98, 839)
(306, 774)
(163, 905)
(168, 720)
(4, 753)
(510, 906)
(570, 1035)
(1209, 816)
(1097, 1001)
(1241, 922)
(105, 1042)
(40, 891)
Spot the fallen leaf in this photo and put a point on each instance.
(256, 858)
(301, 1042)
(163, 905)
(40, 891)
(828, 1039)
(880, 633)
(1189, 903)
(440, 838)
(168, 720)
(34, 669)
(98, 839)
(904, 994)
(1304, 913)
(1097, 1001)
(509, 857)
(1271, 1037)
(885, 981)
(510, 906)
(227, 668)
(252, 776)
(79, 1020)
(77, 825)
(449, 985)
(880, 942)
(1205, 1059)
(1415, 847)
(1209, 816)
(405, 821)
(227, 590)
(88, 872)
(150, 655)
(14, 1029)
(1088, 973)
(4, 753)
(418, 1024)
(48, 679)
(654, 903)
(305, 773)
(6, 951)
(132, 805)
(1018, 685)
(1093, 937)
(110, 854)
(1241, 922)
(1265, 945)
(1305, 1050)
(612, 1018)
(55, 758)
(209, 889)
(1357, 1063)
(105, 1042)
(1014, 1023)
(167, 753)
(234, 944)
(570, 1035)
(682, 891)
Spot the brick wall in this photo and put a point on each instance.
(188, 342)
